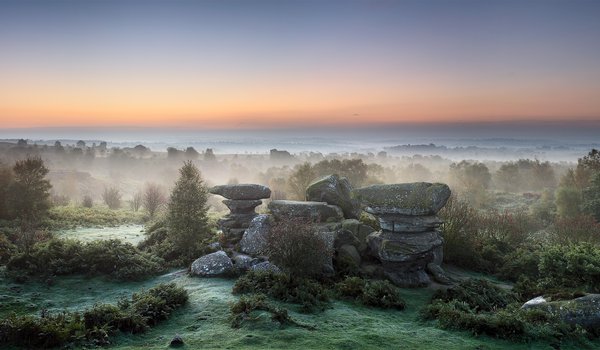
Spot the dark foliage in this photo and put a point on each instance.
(111, 258)
(308, 293)
(381, 294)
(93, 326)
(241, 311)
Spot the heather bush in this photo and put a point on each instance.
(295, 245)
(376, 293)
(242, 310)
(111, 258)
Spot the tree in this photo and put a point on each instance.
(591, 197)
(153, 199)
(136, 201)
(112, 197)
(6, 179)
(187, 212)
(568, 201)
(30, 193)
(302, 176)
(471, 179)
(87, 201)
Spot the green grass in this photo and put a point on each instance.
(71, 217)
(128, 233)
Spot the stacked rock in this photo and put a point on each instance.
(409, 240)
(241, 200)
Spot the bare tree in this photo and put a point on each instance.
(136, 201)
(154, 198)
(112, 197)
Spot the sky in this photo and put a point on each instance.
(283, 64)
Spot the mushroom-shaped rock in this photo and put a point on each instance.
(242, 191)
(210, 265)
(418, 198)
(314, 211)
(334, 190)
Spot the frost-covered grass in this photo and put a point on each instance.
(204, 322)
(127, 233)
(71, 217)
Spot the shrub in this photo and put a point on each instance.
(87, 201)
(306, 292)
(380, 294)
(571, 266)
(112, 197)
(94, 325)
(478, 294)
(582, 228)
(296, 245)
(111, 258)
(242, 309)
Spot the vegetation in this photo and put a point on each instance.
(309, 293)
(187, 219)
(95, 325)
(376, 293)
(241, 311)
(112, 197)
(295, 245)
(153, 198)
(111, 258)
(482, 308)
(69, 217)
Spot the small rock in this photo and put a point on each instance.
(334, 190)
(177, 341)
(349, 252)
(439, 275)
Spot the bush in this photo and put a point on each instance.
(111, 258)
(94, 325)
(242, 310)
(70, 217)
(112, 197)
(571, 266)
(582, 228)
(380, 294)
(306, 292)
(482, 308)
(477, 294)
(87, 201)
(296, 245)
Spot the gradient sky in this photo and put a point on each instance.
(285, 63)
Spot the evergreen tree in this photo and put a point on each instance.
(30, 193)
(187, 214)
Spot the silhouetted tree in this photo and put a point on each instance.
(154, 198)
(112, 197)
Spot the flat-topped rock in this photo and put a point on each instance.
(242, 191)
(418, 198)
(314, 211)
(334, 190)
(412, 247)
(409, 224)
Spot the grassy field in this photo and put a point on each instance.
(203, 323)
(128, 233)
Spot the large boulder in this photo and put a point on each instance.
(211, 265)
(583, 311)
(334, 190)
(313, 211)
(418, 198)
(254, 240)
(242, 191)
(238, 206)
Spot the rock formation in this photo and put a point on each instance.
(214, 264)
(334, 190)
(409, 239)
(241, 200)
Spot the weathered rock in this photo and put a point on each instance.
(350, 253)
(254, 240)
(439, 275)
(408, 224)
(242, 191)
(419, 198)
(408, 279)
(242, 206)
(438, 255)
(583, 311)
(214, 264)
(236, 220)
(243, 262)
(313, 211)
(345, 237)
(334, 190)
(372, 270)
(265, 266)
(392, 247)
